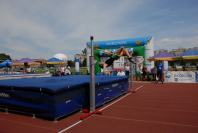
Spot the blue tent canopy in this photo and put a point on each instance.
(163, 54)
(6, 63)
(191, 52)
(55, 61)
(23, 60)
(131, 42)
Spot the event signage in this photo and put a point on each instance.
(131, 42)
(180, 76)
(119, 64)
(196, 76)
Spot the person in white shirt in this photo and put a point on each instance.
(67, 71)
(127, 69)
(121, 73)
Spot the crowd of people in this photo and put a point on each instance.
(156, 72)
(62, 71)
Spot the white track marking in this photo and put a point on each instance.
(119, 99)
(78, 122)
(73, 125)
(138, 88)
(114, 102)
(149, 121)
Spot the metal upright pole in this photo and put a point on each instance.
(92, 78)
(131, 76)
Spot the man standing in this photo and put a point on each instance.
(160, 72)
(154, 73)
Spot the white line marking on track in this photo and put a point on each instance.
(158, 109)
(149, 121)
(138, 88)
(78, 122)
(119, 99)
(114, 102)
(67, 128)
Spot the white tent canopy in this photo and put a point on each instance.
(61, 56)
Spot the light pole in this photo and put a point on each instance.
(92, 77)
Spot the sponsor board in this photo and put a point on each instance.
(119, 64)
(196, 76)
(181, 76)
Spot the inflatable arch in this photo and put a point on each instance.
(141, 47)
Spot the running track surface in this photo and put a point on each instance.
(154, 108)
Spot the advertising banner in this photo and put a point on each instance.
(139, 63)
(119, 64)
(180, 76)
(196, 76)
(131, 42)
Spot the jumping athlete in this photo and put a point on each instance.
(115, 56)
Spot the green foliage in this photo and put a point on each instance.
(70, 63)
(84, 63)
(84, 51)
(39, 70)
(4, 57)
(83, 70)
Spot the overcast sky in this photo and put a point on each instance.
(42, 28)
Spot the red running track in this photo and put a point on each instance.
(154, 108)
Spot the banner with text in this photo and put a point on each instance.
(181, 76)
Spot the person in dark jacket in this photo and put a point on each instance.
(160, 70)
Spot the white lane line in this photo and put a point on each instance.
(158, 109)
(78, 122)
(149, 121)
(138, 88)
(114, 102)
(119, 99)
(67, 128)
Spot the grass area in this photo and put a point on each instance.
(39, 70)
(83, 70)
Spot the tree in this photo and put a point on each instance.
(4, 57)
(84, 51)
(84, 63)
(70, 63)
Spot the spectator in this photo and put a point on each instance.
(67, 71)
(62, 70)
(144, 73)
(127, 69)
(154, 73)
(121, 73)
(28, 69)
